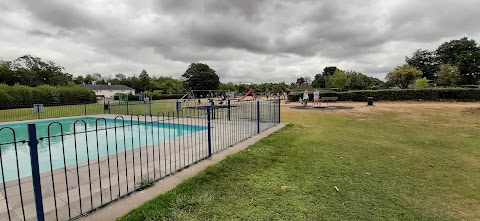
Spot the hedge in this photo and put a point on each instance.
(434, 94)
(18, 95)
(153, 96)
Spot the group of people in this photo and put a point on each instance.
(305, 98)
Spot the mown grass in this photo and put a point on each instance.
(135, 108)
(397, 162)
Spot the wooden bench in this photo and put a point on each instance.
(328, 99)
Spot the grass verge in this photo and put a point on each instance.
(403, 162)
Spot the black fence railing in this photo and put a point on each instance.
(64, 168)
(45, 111)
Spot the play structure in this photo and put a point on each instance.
(143, 97)
(122, 98)
(201, 99)
(201, 94)
(252, 92)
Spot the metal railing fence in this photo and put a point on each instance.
(65, 168)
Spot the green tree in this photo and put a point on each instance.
(425, 61)
(329, 71)
(89, 79)
(200, 76)
(339, 79)
(448, 75)
(320, 81)
(144, 81)
(403, 76)
(358, 81)
(463, 53)
(7, 76)
(228, 86)
(421, 83)
(300, 80)
(32, 71)
(79, 79)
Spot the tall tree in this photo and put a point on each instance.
(200, 76)
(403, 76)
(32, 71)
(448, 75)
(425, 61)
(463, 53)
(329, 71)
(79, 80)
(89, 79)
(301, 80)
(144, 80)
(7, 76)
(339, 79)
(358, 81)
(320, 81)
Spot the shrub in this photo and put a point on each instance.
(403, 76)
(421, 83)
(433, 94)
(24, 95)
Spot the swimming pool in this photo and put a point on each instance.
(69, 140)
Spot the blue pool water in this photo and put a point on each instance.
(73, 148)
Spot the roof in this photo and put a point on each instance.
(304, 86)
(96, 87)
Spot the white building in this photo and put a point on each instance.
(108, 91)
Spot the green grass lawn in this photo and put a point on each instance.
(390, 162)
(27, 113)
(244, 110)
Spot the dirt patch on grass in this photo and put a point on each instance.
(473, 111)
(413, 108)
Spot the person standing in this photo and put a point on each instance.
(305, 98)
(316, 97)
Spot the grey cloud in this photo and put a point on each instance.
(64, 14)
(248, 40)
(431, 21)
(228, 34)
(40, 33)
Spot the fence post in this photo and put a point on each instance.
(37, 189)
(213, 110)
(108, 103)
(258, 117)
(85, 107)
(228, 110)
(150, 106)
(127, 105)
(279, 109)
(209, 128)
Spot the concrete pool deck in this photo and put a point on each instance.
(76, 190)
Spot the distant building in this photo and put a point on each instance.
(107, 91)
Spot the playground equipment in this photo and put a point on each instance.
(143, 97)
(209, 94)
(204, 98)
(122, 98)
(251, 91)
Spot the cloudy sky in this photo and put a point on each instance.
(243, 40)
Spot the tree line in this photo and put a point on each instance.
(455, 62)
(335, 78)
(142, 82)
(31, 71)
